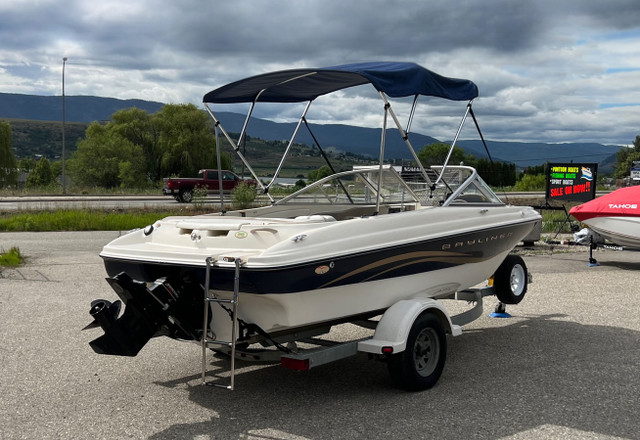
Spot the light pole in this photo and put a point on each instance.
(64, 176)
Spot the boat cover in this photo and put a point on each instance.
(395, 79)
(623, 202)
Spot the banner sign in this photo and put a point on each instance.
(571, 181)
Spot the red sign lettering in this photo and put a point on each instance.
(556, 192)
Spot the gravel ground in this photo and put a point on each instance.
(566, 365)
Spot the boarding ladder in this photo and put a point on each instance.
(211, 297)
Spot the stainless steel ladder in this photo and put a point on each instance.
(206, 340)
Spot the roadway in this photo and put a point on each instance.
(12, 203)
(566, 365)
(92, 201)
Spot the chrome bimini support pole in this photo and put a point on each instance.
(453, 144)
(405, 137)
(218, 158)
(286, 151)
(236, 148)
(383, 139)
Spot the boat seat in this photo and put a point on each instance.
(315, 218)
(470, 198)
(357, 212)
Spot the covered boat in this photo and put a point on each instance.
(614, 216)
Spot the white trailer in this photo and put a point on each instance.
(410, 335)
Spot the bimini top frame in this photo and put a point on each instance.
(393, 79)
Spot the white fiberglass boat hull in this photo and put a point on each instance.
(305, 271)
(278, 312)
(623, 231)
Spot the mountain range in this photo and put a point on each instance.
(346, 138)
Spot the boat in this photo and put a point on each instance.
(614, 217)
(342, 249)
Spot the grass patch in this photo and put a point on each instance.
(556, 221)
(11, 258)
(124, 219)
(56, 189)
(85, 219)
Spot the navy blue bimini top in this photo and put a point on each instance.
(395, 79)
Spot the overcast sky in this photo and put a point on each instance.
(547, 70)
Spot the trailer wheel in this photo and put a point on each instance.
(510, 280)
(420, 365)
(186, 195)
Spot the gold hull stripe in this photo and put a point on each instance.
(407, 260)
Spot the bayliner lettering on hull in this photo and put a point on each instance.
(475, 241)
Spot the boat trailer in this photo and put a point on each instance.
(410, 335)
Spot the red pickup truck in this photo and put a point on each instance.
(182, 187)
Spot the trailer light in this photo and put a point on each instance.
(295, 364)
(387, 350)
(490, 282)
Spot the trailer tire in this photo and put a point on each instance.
(420, 365)
(186, 195)
(510, 280)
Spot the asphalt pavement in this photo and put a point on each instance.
(565, 365)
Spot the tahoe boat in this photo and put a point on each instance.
(614, 216)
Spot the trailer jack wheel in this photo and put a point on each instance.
(510, 280)
(420, 365)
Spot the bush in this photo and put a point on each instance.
(530, 182)
(11, 258)
(199, 195)
(41, 175)
(243, 196)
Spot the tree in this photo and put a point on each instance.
(625, 157)
(8, 165)
(41, 175)
(435, 154)
(139, 128)
(136, 148)
(56, 168)
(320, 173)
(186, 143)
(105, 158)
(496, 173)
(531, 182)
(26, 164)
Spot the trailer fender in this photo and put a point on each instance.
(393, 329)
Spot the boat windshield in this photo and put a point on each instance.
(459, 185)
(356, 187)
(463, 185)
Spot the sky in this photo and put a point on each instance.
(547, 70)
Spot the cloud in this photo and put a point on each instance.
(542, 67)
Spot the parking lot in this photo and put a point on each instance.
(566, 365)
